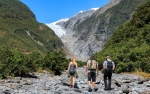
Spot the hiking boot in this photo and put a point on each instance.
(95, 89)
(90, 90)
(105, 88)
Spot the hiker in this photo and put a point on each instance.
(72, 73)
(92, 72)
(108, 66)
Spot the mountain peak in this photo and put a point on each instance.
(94, 9)
(85, 11)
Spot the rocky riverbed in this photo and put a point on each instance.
(46, 83)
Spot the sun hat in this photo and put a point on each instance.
(107, 56)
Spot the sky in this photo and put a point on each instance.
(48, 11)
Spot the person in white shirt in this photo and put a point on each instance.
(108, 66)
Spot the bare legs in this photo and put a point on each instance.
(93, 84)
(72, 81)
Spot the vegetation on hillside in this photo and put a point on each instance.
(14, 63)
(19, 30)
(26, 45)
(129, 47)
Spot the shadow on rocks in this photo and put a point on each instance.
(109, 89)
(76, 86)
(30, 76)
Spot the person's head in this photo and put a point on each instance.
(73, 60)
(92, 57)
(107, 57)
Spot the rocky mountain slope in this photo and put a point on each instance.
(64, 29)
(88, 35)
(76, 19)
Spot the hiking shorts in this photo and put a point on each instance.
(75, 74)
(92, 76)
(72, 73)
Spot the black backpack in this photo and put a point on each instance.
(109, 66)
(72, 69)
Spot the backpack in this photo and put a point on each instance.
(93, 64)
(72, 69)
(109, 66)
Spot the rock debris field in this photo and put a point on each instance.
(46, 83)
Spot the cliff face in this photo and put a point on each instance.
(77, 41)
(77, 19)
(86, 33)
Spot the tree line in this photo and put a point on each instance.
(14, 63)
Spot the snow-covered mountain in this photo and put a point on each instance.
(77, 19)
(57, 28)
(65, 33)
(83, 39)
(86, 32)
(77, 42)
(86, 42)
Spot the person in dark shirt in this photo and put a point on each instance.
(72, 76)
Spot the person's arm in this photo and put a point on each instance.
(76, 65)
(113, 66)
(97, 70)
(104, 65)
(68, 67)
(86, 68)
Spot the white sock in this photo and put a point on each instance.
(89, 86)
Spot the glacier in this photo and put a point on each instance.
(59, 31)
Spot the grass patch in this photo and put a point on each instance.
(143, 74)
(43, 71)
